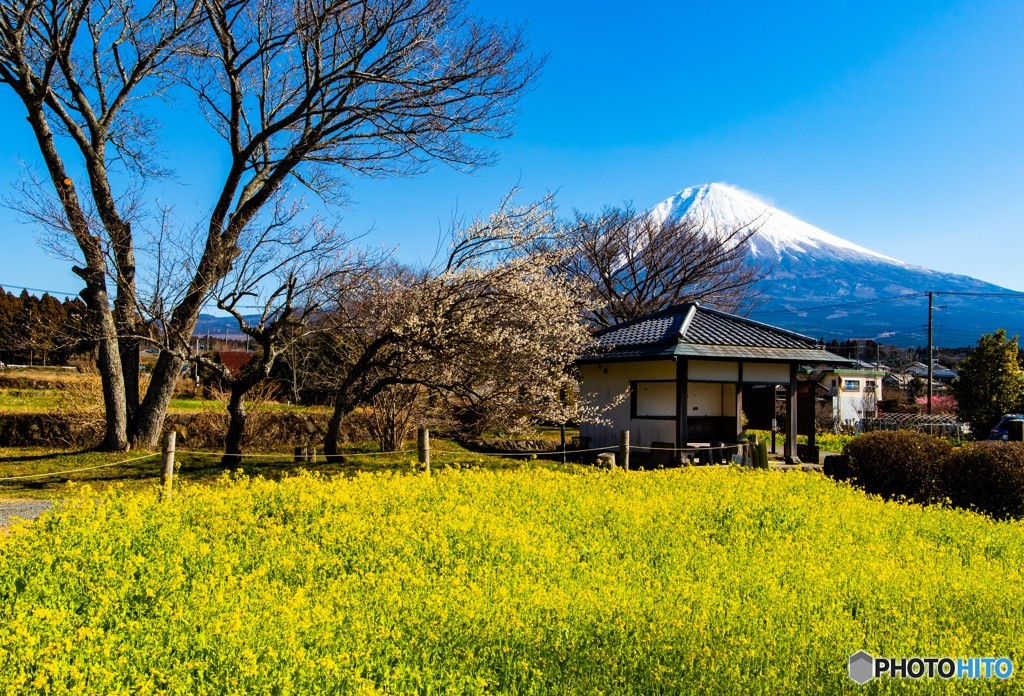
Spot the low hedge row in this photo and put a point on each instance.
(266, 432)
(984, 476)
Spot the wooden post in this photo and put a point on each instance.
(789, 450)
(682, 418)
(561, 402)
(167, 474)
(423, 447)
(311, 453)
(300, 454)
(624, 449)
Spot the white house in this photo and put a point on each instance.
(684, 369)
(855, 391)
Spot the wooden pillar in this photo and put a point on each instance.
(682, 408)
(739, 411)
(624, 448)
(791, 399)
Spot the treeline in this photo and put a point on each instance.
(41, 330)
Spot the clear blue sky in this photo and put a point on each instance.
(899, 126)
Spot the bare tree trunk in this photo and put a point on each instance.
(344, 404)
(295, 379)
(109, 365)
(130, 362)
(95, 294)
(149, 420)
(236, 427)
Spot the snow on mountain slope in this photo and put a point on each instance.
(723, 207)
(823, 285)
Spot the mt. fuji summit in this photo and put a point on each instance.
(826, 286)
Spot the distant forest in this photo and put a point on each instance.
(41, 330)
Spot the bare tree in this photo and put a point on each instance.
(80, 69)
(274, 291)
(633, 264)
(308, 92)
(394, 414)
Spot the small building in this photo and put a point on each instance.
(855, 391)
(940, 375)
(899, 381)
(684, 369)
(234, 360)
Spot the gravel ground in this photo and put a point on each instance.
(25, 509)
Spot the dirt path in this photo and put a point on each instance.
(25, 509)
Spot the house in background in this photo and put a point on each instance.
(684, 370)
(855, 391)
(941, 375)
(234, 360)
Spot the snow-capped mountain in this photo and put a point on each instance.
(825, 286)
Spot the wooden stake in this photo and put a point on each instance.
(167, 475)
(423, 447)
(624, 449)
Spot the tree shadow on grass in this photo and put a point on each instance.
(43, 457)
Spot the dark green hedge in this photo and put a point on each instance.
(983, 476)
(899, 463)
(988, 477)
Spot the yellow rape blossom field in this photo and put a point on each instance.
(526, 581)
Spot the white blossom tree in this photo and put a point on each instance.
(488, 328)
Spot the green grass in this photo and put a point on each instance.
(143, 474)
(22, 400)
(27, 400)
(531, 581)
(183, 404)
(829, 442)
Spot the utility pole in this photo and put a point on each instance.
(931, 347)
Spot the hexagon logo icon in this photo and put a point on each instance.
(861, 667)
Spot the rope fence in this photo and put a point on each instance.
(711, 454)
(84, 468)
(280, 455)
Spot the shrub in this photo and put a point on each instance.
(898, 463)
(987, 476)
(837, 466)
(275, 431)
(46, 430)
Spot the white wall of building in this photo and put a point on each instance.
(602, 384)
(855, 394)
(656, 396)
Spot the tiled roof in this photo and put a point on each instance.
(234, 360)
(720, 329)
(695, 331)
(658, 328)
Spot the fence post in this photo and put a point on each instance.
(624, 449)
(167, 474)
(300, 454)
(423, 447)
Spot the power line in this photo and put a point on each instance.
(50, 292)
(1018, 295)
(843, 305)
